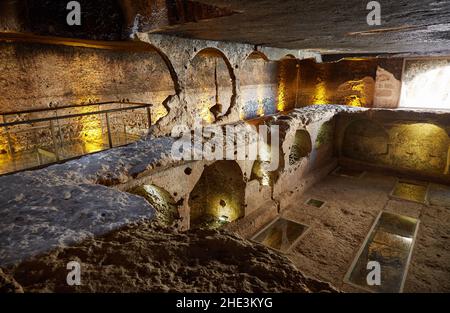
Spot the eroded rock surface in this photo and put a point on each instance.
(147, 259)
(8, 284)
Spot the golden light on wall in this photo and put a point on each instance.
(91, 131)
(363, 90)
(3, 143)
(423, 130)
(420, 147)
(281, 105)
(354, 101)
(91, 147)
(158, 113)
(91, 134)
(357, 93)
(205, 113)
(320, 94)
(4, 155)
(281, 97)
(226, 209)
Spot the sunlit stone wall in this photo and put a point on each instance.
(426, 83)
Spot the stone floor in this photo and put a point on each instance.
(340, 226)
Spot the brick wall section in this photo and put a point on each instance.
(387, 90)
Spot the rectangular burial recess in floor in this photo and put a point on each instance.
(315, 203)
(390, 242)
(347, 172)
(439, 195)
(281, 235)
(410, 191)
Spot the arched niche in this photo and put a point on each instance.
(267, 87)
(413, 146)
(301, 147)
(258, 84)
(325, 135)
(164, 83)
(420, 146)
(210, 85)
(289, 57)
(365, 140)
(162, 201)
(218, 197)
